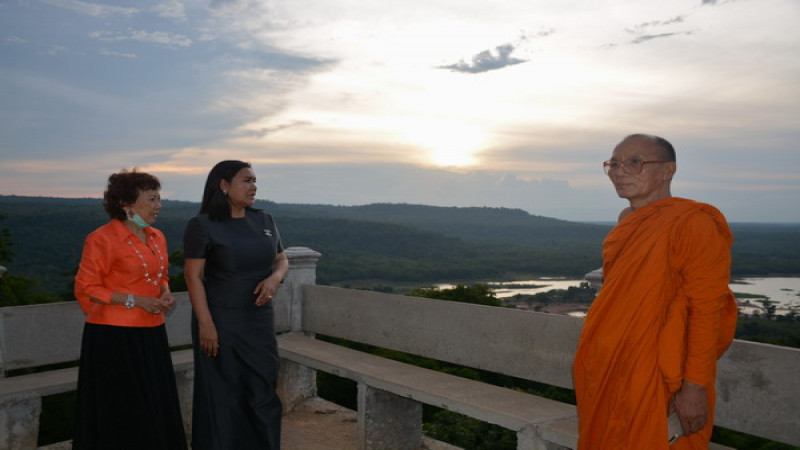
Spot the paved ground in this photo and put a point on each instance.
(315, 425)
(320, 425)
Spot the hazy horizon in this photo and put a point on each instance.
(197, 202)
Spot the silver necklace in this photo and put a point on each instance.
(144, 264)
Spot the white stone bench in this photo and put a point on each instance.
(40, 335)
(390, 395)
(523, 413)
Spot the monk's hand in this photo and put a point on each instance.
(692, 406)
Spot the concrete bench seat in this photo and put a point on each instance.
(514, 410)
(42, 383)
(532, 417)
(64, 380)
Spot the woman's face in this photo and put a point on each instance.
(242, 188)
(147, 205)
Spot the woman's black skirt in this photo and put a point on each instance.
(127, 398)
(236, 405)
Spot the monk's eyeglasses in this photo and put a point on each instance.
(631, 166)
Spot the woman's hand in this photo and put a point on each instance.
(209, 339)
(265, 290)
(167, 301)
(150, 304)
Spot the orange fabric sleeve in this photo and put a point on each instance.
(703, 253)
(94, 266)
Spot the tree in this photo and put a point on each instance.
(16, 290)
(479, 294)
(6, 253)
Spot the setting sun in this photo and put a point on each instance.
(448, 144)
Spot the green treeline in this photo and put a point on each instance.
(390, 242)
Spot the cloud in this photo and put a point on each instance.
(56, 49)
(642, 29)
(263, 132)
(171, 9)
(16, 40)
(486, 61)
(650, 37)
(91, 9)
(656, 23)
(113, 53)
(150, 37)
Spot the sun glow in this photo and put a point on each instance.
(448, 144)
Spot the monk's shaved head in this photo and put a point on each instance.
(665, 150)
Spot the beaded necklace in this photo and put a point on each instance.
(144, 264)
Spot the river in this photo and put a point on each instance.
(784, 291)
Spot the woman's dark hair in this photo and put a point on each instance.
(124, 188)
(215, 202)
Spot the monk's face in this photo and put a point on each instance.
(647, 186)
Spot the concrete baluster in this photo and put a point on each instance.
(387, 421)
(19, 421)
(297, 382)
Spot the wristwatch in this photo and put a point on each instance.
(130, 303)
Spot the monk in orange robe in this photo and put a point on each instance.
(663, 317)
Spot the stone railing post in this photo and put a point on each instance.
(296, 382)
(302, 272)
(19, 421)
(184, 382)
(387, 421)
(19, 414)
(595, 279)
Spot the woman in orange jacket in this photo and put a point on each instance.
(127, 398)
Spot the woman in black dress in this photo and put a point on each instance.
(234, 264)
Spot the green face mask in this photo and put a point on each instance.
(137, 219)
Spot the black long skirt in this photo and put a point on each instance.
(127, 398)
(236, 405)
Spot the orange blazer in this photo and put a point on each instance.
(113, 261)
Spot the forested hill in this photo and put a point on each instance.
(391, 242)
(494, 225)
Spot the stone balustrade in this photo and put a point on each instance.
(758, 392)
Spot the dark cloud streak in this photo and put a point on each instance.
(284, 126)
(655, 23)
(487, 60)
(650, 37)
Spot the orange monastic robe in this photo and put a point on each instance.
(664, 314)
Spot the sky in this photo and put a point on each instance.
(513, 103)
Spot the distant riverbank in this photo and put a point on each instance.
(751, 293)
